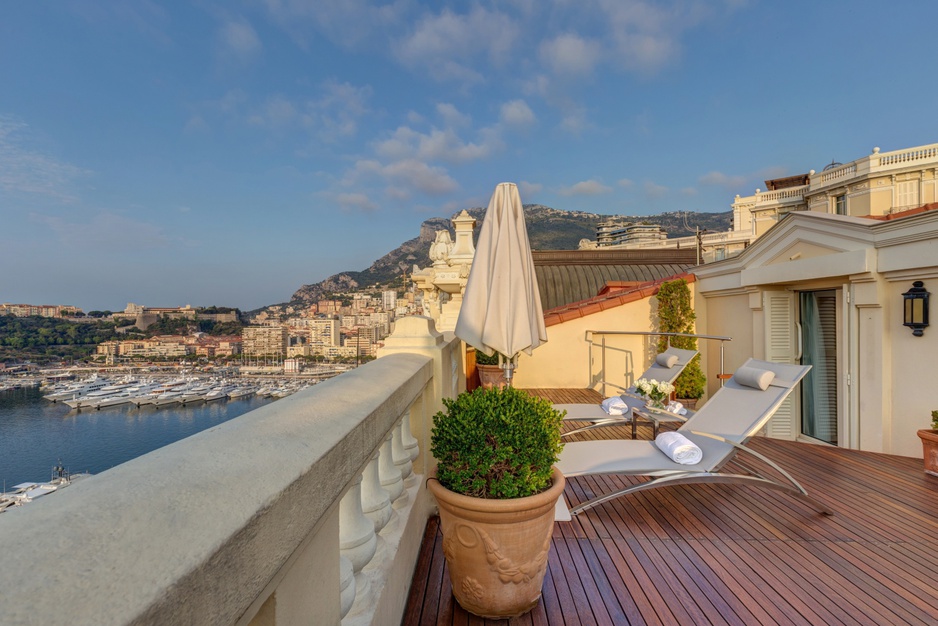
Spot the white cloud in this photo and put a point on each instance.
(277, 112)
(238, 40)
(437, 145)
(529, 189)
(452, 116)
(355, 201)
(574, 122)
(570, 55)
(516, 113)
(689, 191)
(105, 230)
(448, 42)
(722, 180)
(348, 23)
(625, 183)
(653, 190)
(645, 35)
(329, 115)
(26, 169)
(585, 188)
(414, 174)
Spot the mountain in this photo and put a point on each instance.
(548, 229)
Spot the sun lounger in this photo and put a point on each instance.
(720, 428)
(667, 366)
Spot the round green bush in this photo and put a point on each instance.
(496, 443)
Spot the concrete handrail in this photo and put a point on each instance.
(197, 532)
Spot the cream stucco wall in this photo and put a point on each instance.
(728, 315)
(886, 387)
(570, 360)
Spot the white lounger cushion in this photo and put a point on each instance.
(666, 360)
(754, 377)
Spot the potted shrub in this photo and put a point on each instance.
(676, 315)
(496, 488)
(930, 445)
(490, 371)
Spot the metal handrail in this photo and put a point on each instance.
(589, 339)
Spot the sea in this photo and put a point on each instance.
(36, 434)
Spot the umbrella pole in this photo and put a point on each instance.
(509, 366)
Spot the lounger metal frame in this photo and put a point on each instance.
(678, 474)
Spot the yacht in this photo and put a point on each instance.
(75, 390)
(92, 398)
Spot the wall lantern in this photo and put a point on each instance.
(915, 308)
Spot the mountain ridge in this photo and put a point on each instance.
(548, 229)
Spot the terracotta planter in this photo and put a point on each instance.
(930, 448)
(491, 376)
(496, 550)
(689, 403)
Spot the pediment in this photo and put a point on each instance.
(802, 250)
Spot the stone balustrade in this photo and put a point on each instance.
(307, 510)
(782, 196)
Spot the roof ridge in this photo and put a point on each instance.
(602, 302)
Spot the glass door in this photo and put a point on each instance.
(819, 350)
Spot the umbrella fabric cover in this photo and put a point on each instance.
(501, 309)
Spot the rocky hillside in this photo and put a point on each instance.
(548, 229)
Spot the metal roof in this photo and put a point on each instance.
(566, 276)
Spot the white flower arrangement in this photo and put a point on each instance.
(656, 391)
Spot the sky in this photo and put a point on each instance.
(226, 153)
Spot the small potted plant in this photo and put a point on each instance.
(490, 371)
(929, 439)
(496, 488)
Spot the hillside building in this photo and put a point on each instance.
(40, 310)
(614, 233)
(266, 341)
(879, 184)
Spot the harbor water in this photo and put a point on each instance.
(35, 433)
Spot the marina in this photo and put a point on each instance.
(108, 429)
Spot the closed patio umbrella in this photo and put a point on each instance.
(501, 309)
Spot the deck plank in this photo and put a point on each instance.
(720, 554)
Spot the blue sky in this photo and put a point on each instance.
(171, 153)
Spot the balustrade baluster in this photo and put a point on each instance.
(399, 454)
(357, 539)
(346, 586)
(410, 442)
(376, 502)
(389, 474)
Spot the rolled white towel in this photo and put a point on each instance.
(681, 449)
(615, 406)
(676, 407)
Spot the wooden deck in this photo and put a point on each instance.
(719, 554)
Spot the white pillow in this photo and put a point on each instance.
(754, 377)
(666, 360)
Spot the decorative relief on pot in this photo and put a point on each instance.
(507, 570)
(472, 589)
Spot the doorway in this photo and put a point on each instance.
(819, 350)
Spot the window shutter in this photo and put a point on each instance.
(780, 347)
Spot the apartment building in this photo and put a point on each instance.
(614, 233)
(264, 341)
(881, 183)
(324, 331)
(41, 310)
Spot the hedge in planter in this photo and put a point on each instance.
(496, 443)
(497, 490)
(676, 315)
